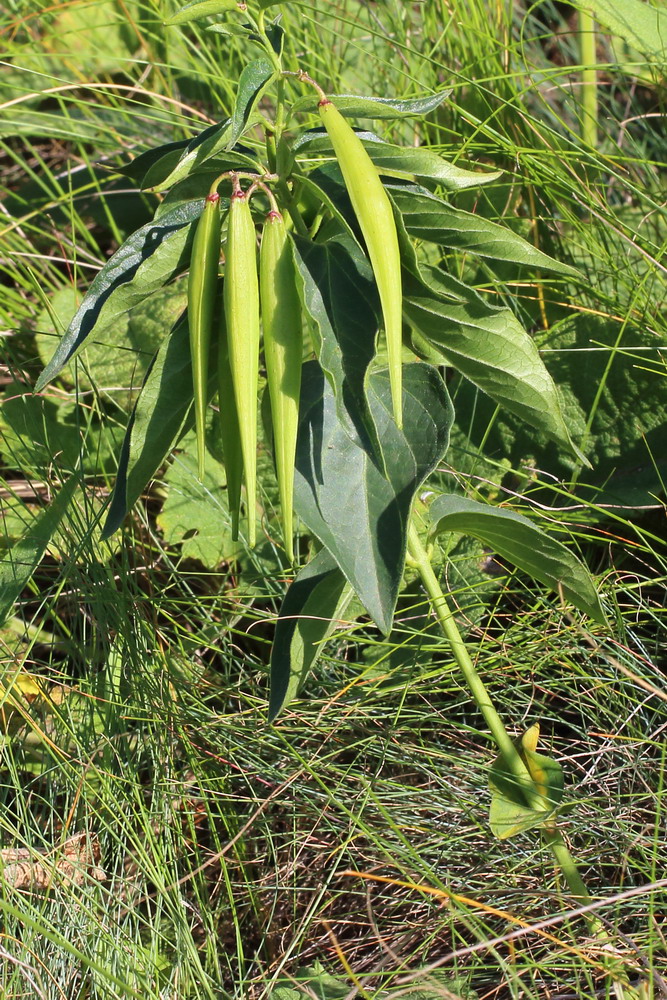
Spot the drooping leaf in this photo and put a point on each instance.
(358, 512)
(352, 106)
(403, 161)
(428, 217)
(252, 81)
(201, 8)
(162, 412)
(144, 263)
(339, 295)
(509, 813)
(24, 557)
(520, 541)
(486, 344)
(641, 25)
(309, 614)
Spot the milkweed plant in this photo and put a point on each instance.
(309, 244)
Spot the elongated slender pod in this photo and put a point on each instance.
(241, 306)
(374, 213)
(283, 347)
(229, 429)
(202, 283)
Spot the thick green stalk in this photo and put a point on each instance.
(473, 680)
(552, 836)
(589, 96)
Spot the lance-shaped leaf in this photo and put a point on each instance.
(339, 295)
(206, 151)
(402, 161)
(161, 415)
(137, 168)
(390, 108)
(358, 512)
(428, 217)
(520, 541)
(486, 344)
(157, 171)
(143, 264)
(24, 557)
(252, 82)
(310, 612)
(509, 812)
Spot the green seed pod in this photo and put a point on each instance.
(241, 302)
(229, 430)
(201, 303)
(283, 348)
(376, 219)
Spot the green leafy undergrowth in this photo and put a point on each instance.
(38, 431)
(195, 516)
(315, 981)
(120, 357)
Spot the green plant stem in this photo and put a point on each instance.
(552, 836)
(473, 680)
(589, 97)
(561, 852)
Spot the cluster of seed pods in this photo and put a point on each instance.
(266, 299)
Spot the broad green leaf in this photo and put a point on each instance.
(486, 344)
(428, 217)
(113, 370)
(21, 562)
(507, 818)
(161, 414)
(509, 813)
(143, 264)
(309, 614)
(438, 985)
(520, 541)
(642, 25)
(37, 431)
(201, 8)
(402, 161)
(195, 514)
(318, 984)
(339, 295)
(376, 107)
(252, 82)
(359, 513)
